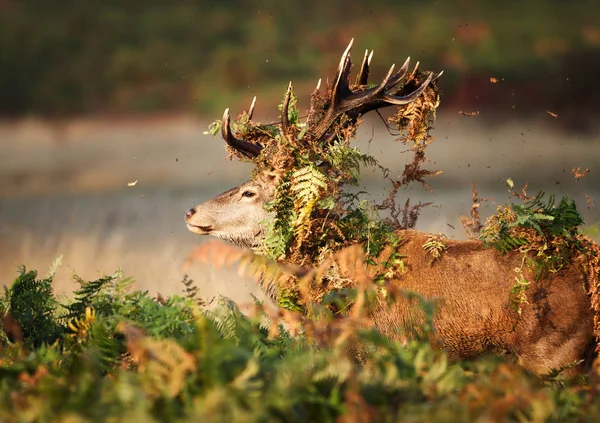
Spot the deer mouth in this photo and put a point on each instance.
(201, 230)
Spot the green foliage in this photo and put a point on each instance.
(545, 233)
(556, 220)
(308, 184)
(362, 223)
(518, 293)
(509, 243)
(280, 229)
(31, 302)
(546, 218)
(348, 161)
(168, 360)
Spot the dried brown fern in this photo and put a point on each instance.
(274, 278)
(416, 118)
(473, 225)
(435, 247)
(164, 362)
(343, 269)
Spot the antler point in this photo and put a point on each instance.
(347, 50)
(251, 109)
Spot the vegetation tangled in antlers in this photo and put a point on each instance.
(314, 214)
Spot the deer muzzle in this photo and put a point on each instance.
(191, 219)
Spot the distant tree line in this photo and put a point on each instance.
(65, 58)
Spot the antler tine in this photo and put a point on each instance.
(414, 72)
(314, 98)
(251, 109)
(399, 101)
(248, 149)
(285, 121)
(345, 56)
(416, 93)
(343, 100)
(341, 86)
(398, 75)
(363, 76)
(386, 80)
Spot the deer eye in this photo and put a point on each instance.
(248, 194)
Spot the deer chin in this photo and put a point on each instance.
(200, 230)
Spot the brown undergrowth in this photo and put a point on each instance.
(342, 270)
(333, 301)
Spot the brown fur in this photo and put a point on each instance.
(473, 285)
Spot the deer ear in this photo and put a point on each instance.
(271, 176)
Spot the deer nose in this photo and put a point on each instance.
(190, 213)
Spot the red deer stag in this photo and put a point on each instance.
(554, 326)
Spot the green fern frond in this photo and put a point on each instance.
(225, 316)
(308, 182)
(546, 218)
(214, 128)
(87, 294)
(348, 161)
(32, 304)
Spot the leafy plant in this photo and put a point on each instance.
(221, 365)
(30, 301)
(547, 219)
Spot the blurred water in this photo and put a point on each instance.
(97, 223)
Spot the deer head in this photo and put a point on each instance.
(237, 215)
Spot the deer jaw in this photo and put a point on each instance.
(237, 215)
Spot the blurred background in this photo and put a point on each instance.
(97, 95)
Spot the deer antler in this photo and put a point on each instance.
(343, 99)
(354, 103)
(248, 149)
